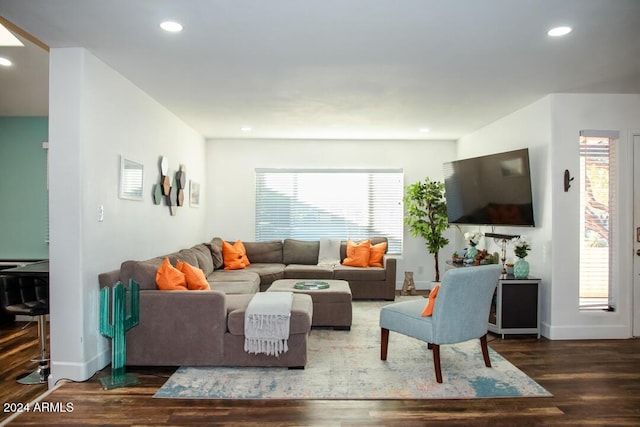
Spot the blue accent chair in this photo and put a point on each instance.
(461, 313)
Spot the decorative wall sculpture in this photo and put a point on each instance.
(173, 190)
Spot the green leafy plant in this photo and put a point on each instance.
(426, 215)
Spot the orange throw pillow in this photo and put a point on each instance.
(235, 256)
(196, 280)
(376, 254)
(240, 247)
(428, 310)
(357, 254)
(169, 278)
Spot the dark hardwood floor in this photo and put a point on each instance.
(593, 382)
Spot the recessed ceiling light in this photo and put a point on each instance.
(171, 26)
(559, 31)
(245, 128)
(424, 130)
(5, 62)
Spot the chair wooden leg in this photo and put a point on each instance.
(430, 346)
(485, 350)
(384, 343)
(436, 362)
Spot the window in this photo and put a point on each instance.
(310, 204)
(597, 219)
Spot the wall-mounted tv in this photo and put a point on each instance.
(490, 190)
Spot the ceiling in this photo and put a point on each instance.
(344, 69)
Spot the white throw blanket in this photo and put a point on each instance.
(329, 253)
(266, 323)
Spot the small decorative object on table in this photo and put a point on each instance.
(473, 237)
(509, 267)
(311, 285)
(521, 249)
(409, 285)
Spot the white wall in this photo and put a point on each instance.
(96, 115)
(529, 127)
(231, 182)
(572, 113)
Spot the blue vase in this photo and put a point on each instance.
(521, 269)
(471, 252)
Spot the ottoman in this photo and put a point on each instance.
(331, 306)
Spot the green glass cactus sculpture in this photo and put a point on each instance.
(114, 323)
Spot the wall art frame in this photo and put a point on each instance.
(194, 194)
(131, 179)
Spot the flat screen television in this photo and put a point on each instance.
(490, 190)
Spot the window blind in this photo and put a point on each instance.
(598, 205)
(309, 204)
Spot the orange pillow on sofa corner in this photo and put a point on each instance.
(358, 254)
(169, 278)
(240, 247)
(428, 310)
(235, 256)
(196, 280)
(376, 254)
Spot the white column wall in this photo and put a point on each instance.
(231, 182)
(572, 113)
(96, 115)
(529, 127)
(550, 128)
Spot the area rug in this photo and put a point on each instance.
(347, 365)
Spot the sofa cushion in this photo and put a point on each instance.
(374, 241)
(237, 287)
(300, 252)
(300, 271)
(170, 278)
(301, 313)
(237, 302)
(428, 309)
(358, 253)
(143, 272)
(188, 256)
(264, 252)
(376, 254)
(196, 280)
(267, 272)
(235, 256)
(203, 255)
(347, 273)
(215, 247)
(234, 276)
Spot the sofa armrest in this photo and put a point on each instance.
(389, 263)
(178, 328)
(109, 278)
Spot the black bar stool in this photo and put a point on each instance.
(29, 296)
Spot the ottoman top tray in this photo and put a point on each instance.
(338, 290)
(311, 285)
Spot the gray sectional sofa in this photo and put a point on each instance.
(199, 328)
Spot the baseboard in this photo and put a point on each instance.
(78, 371)
(585, 332)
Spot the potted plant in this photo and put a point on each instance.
(426, 215)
